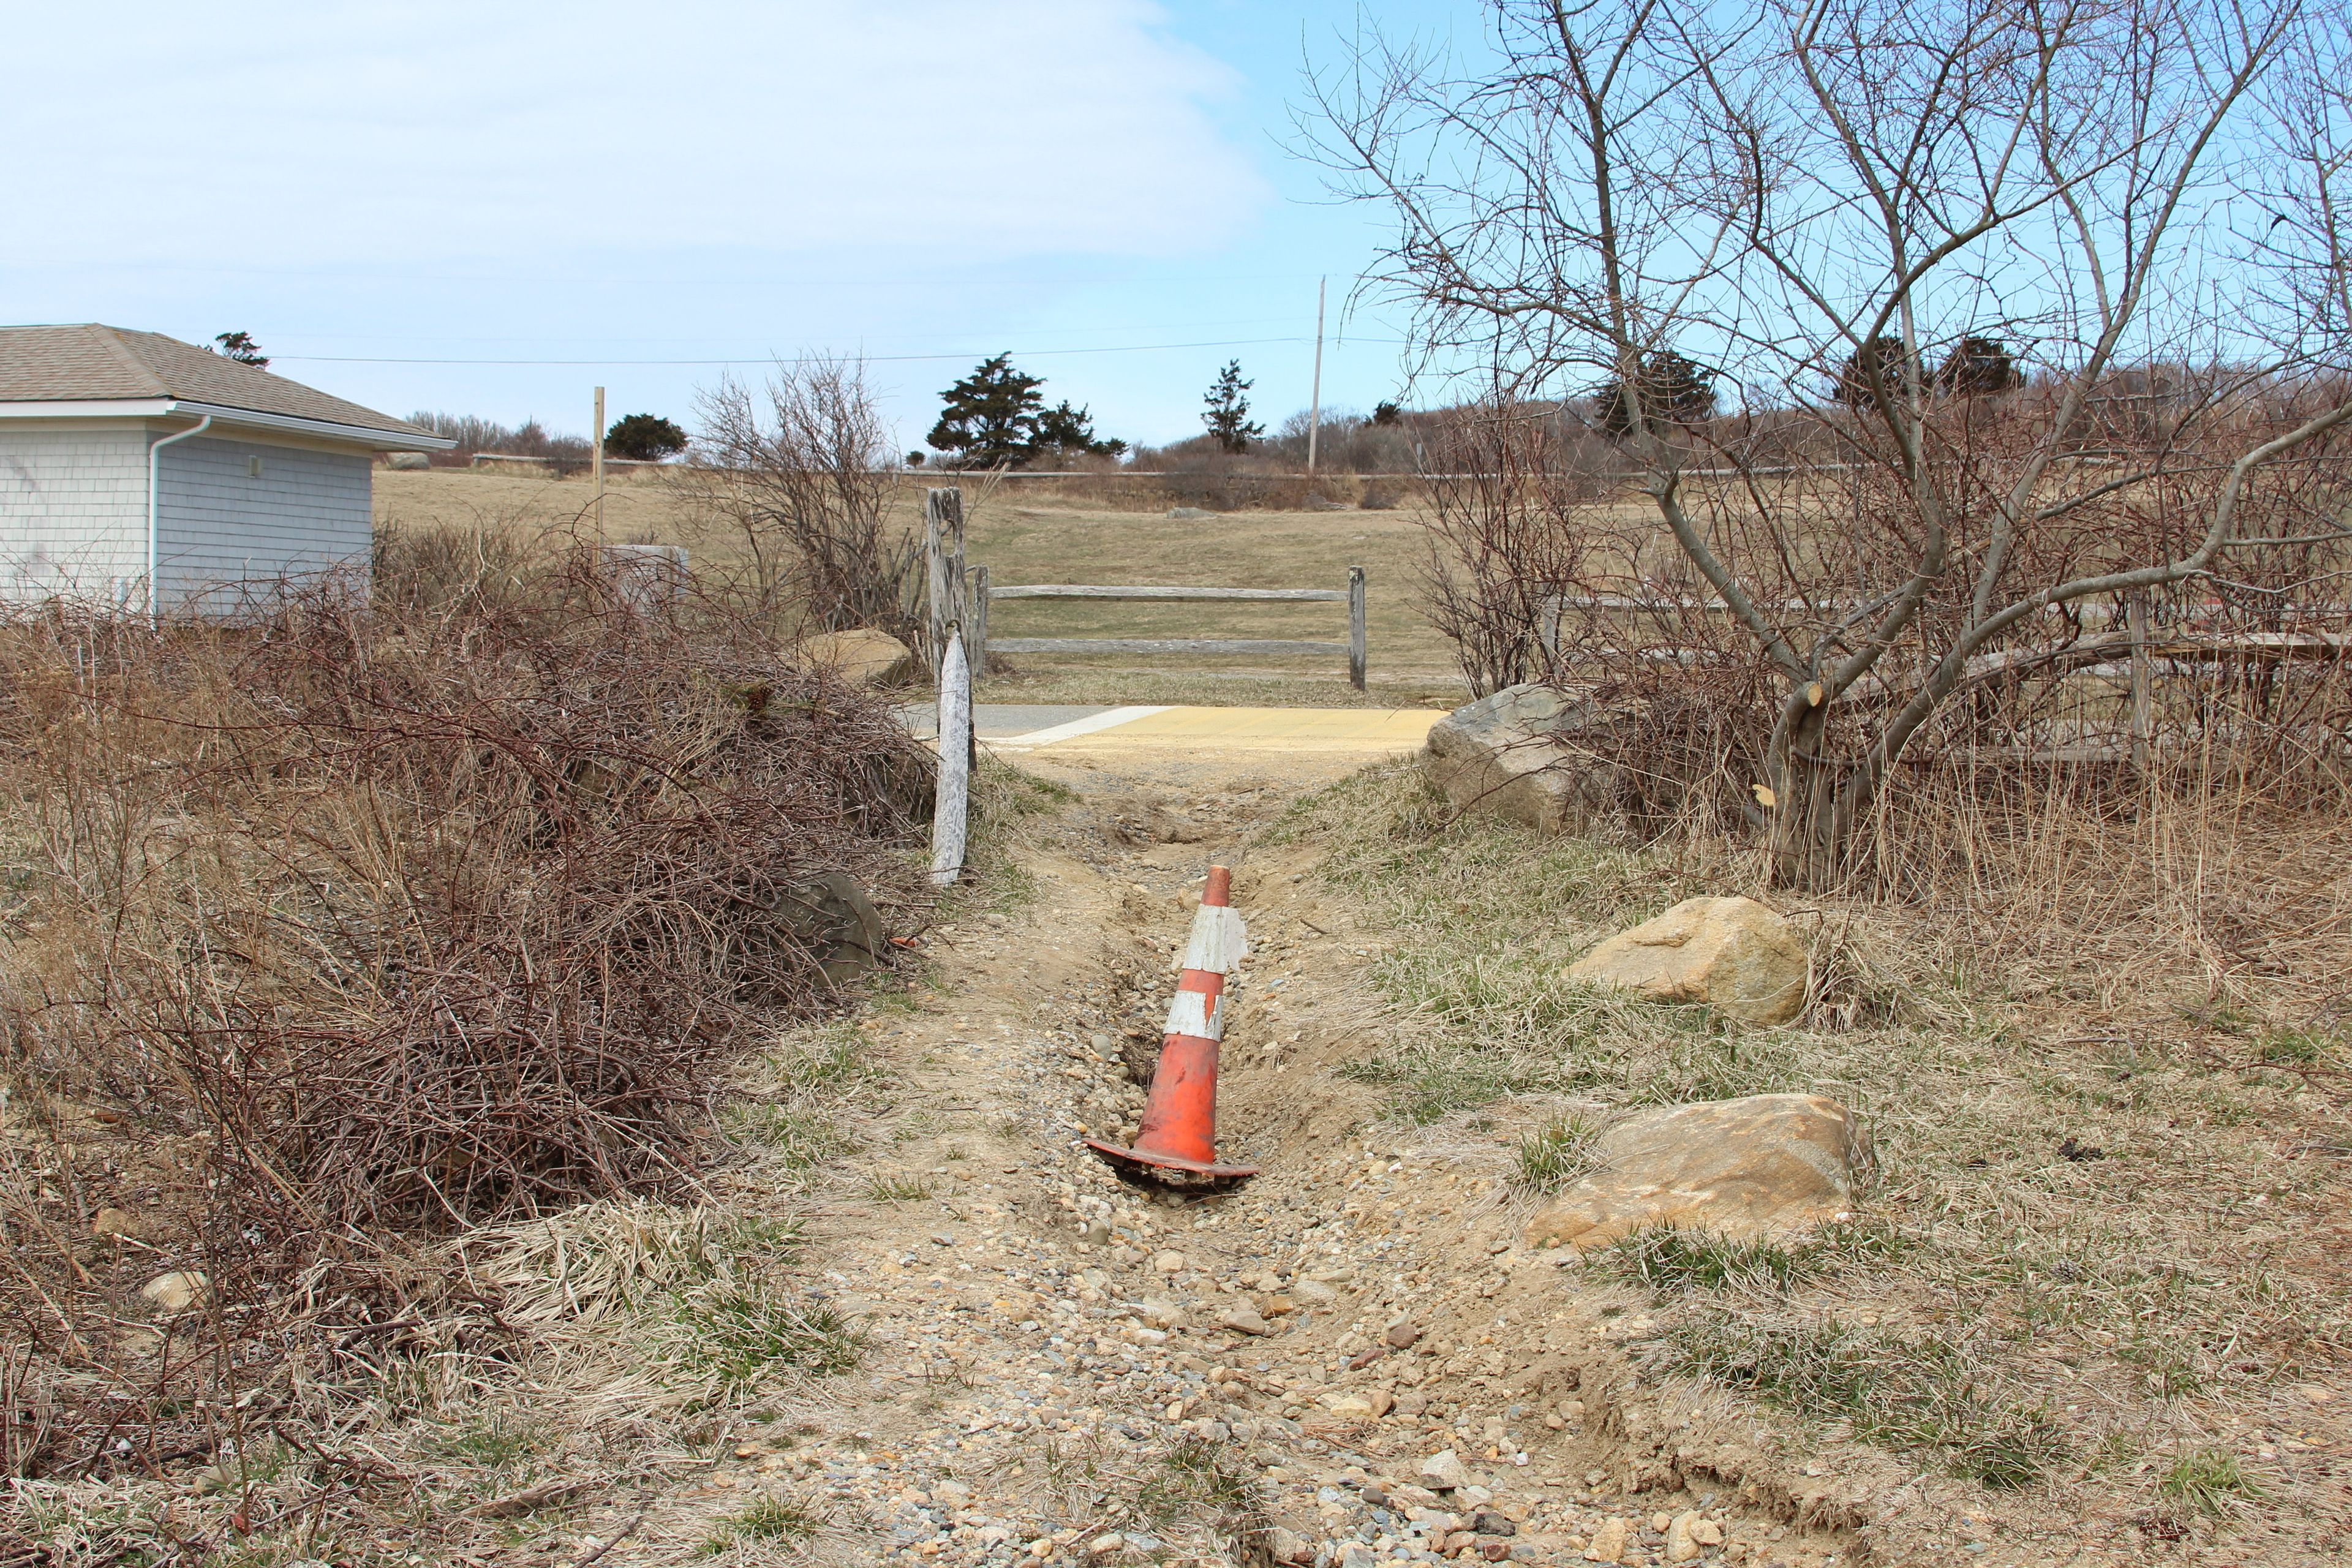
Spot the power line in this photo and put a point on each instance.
(808, 359)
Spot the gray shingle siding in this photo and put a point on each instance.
(306, 512)
(73, 511)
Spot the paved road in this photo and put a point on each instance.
(1074, 727)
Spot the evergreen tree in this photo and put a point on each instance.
(1227, 410)
(1877, 366)
(1677, 390)
(989, 419)
(1066, 429)
(240, 347)
(646, 438)
(1387, 413)
(1979, 367)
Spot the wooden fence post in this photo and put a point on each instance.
(952, 804)
(2142, 704)
(1356, 628)
(943, 563)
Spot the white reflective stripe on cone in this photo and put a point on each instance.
(1192, 1013)
(1219, 941)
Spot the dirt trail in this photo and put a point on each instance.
(1064, 1368)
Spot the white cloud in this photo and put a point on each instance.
(289, 133)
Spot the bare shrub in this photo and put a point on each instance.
(336, 927)
(803, 471)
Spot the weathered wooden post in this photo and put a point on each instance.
(952, 804)
(943, 560)
(1356, 628)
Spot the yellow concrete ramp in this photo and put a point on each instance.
(1368, 731)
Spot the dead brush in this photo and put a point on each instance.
(331, 927)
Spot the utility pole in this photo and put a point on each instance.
(597, 463)
(1315, 407)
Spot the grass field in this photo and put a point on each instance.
(1024, 540)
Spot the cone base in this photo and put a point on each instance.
(1168, 1170)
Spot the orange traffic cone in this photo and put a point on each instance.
(1178, 1136)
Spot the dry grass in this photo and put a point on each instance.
(2105, 1070)
(1027, 537)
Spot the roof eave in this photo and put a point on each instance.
(373, 439)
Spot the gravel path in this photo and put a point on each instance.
(1346, 1360)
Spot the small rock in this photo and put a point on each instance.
(1243, 1318)
(1099, 1233)
(1661, 1523)
(1171, 1262)
(1042, 1548)
(1288, 1546)
(1682, 1544)
(1495, 1551)
(1108, 1545)
(182, 1290)
(112, 1222)
(942, 1238)
(1382, 1402)
(1608, 1543)
(1401, 1336)
(1706, 1532)
(1486, 1522)
(1314, 1293)
(1444, 1470)
(1353, 1405)
(1411, 1401)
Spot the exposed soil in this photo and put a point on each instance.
(1053, 1369)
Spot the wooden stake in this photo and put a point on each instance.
(1314, 406)
(2142, 719)
(943, 561)
(597, 463)
(1356, 628)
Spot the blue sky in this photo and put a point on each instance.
(422, 204)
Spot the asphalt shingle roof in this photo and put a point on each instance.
(92, 363)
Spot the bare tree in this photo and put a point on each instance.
(1959, 196)
(801, 471)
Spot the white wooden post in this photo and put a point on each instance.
(951, 805)
(1356, 628)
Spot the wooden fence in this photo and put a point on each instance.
(1352, 595)
(960, 594)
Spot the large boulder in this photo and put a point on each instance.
(1733, 954)
(1733, 1167)
(864, 656)
(1514, 756)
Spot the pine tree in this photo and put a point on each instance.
(646, 438)
(1875, 367)
(1979, 367)
(989, 419)
(1677, 390)
(1066, 429)
(1227, 415)
(240, 347)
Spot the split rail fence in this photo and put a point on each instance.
(960, 594)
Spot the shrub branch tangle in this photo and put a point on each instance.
(1855, 214)
(329, 928)
(802, 470)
